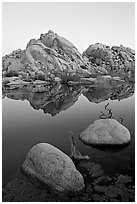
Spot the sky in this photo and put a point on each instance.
(82, 23)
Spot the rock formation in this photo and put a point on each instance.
(115, 61)
(53, 57)
(47, 57)
(51, 166)
(105, 132)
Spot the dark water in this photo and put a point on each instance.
(25, 124)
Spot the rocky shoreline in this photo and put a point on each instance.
(53, 59)
(51, 74)
(97, 186)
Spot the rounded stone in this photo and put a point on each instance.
(51, 166)
(105, 132)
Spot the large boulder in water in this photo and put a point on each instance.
(51, 166)
(105, 132)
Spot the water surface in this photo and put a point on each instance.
(30, 118)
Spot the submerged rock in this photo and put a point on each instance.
(118, 188)
(99, 187)
(51, 166)
(105, 132)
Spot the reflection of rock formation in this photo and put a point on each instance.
(100, 94)
(57, 98)
(125, 91)
(53, 100)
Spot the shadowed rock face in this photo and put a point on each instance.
(105, 132)
(53, 167)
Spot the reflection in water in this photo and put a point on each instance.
(108, 115)
(60, 97)
(108, 148)
(53, 100)
(99, 94)
(75, 154)
(102, 172)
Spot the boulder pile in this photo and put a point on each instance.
(53, 57)
(115, 61)
(45, 58)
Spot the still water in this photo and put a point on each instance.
(31, 118)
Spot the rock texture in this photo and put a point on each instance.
(44, 58)
(105, 132)
(53, 57)
(99, 188)
(53, 167)
(115, 61)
